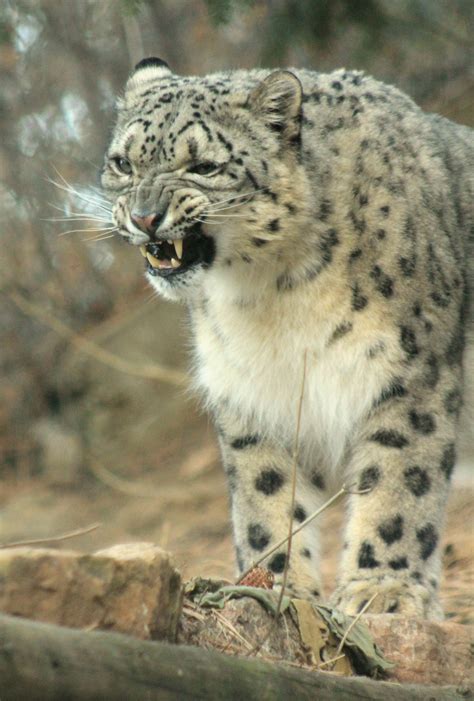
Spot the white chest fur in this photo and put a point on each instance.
(250, 359)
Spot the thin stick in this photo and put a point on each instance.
(293, 487)
(152, 372)
(312, 516)
(353, 622)
(289, 538)
(338, 655)
(53, 539)
(121, 485)
(333, 659)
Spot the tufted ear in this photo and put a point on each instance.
(151, 68)
(149, 63)
(277, 100)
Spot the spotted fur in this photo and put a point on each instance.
(331, 218)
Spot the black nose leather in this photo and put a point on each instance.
(147, 223)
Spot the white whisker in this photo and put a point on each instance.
(227, 207)
(88, 201)
(101, 237)
(101, 203)
(209, 223)
(63, 211)
(230, 204)
(99, 195)
(154, 297)
(224, 216)
(236, 197)
(72, 191)
(88, 230)
(84, 218)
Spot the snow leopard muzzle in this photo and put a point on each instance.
(175, 257)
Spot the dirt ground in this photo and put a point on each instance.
(183, 507)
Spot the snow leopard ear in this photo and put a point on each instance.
(151, 68)
(277, 100)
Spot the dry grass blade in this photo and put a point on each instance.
(150, 372)
(54, 539)
(227, 624)
(192, 612)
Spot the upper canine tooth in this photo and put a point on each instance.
(175, 263)
(154, 262)
(143, 251)
(178, 246)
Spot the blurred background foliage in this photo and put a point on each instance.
(82, 337)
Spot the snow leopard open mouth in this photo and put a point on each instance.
(174, 257)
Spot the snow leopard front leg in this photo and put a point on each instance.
(259, 474)
(402, 462)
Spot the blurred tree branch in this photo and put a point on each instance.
(151, 372)
(61, 66)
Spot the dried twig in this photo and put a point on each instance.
(331, 661)
(150, 372)
(144, 490)
(293, 487)
(338, 655)
(349, 489)
(289, 538)
(121, 485)
(53, 539)
(354, 621)
(352, 490)
(270, 551)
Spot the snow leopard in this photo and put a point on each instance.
(319, 228)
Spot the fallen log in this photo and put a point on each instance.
(43, 662)
(135, 589)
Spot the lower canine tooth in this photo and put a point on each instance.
(178, 247)
(154, 262)
(143, 251)
(175, 263)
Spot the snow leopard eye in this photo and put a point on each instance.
(122, 165)
(205, 168)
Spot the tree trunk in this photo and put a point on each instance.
(42, 662)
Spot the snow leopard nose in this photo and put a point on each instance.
(148, 223)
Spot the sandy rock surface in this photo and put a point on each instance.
(423, 652)
(132, 588)
(135, 589)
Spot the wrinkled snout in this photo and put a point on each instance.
(148, 223)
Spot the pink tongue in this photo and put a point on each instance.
(164, 264)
